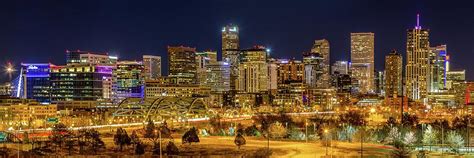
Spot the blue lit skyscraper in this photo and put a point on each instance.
(35, 80)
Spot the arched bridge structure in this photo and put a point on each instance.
(177, 108)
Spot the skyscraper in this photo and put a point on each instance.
(313, 70)
(290, 76)
(152, 66)
(230, 51)
(203, 59)
(393, 74)
(253, 70)
(218, 77)
(322, 48)
(417, 67)
(438, 60)
(362, 58)
(182, 64)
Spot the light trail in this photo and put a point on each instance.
(239, 118)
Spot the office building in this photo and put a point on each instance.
(417, 66)
(253, 70)
(313, 70)
(80, 82)
(35, 81)
(231, 51)
(393, 74)
(290, 76)
(362, 60)
(203, 59)
(152, 66)
(321, 48)
(439, 62)
(93, 58)
(342, 67)
(182, 65)
(218, 77)
(128, 80)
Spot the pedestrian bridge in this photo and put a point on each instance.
(178, 108)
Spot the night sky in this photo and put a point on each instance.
(41, 31)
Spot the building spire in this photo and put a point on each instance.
(418, 21)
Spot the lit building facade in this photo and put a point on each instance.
(36, 81)
(155, 89)
(128, 80)
(439, 62)
(313, 70)
(152, 66)
(218, 77)
(94, 58)
(253, 70)
(393, 74)
(456, 84)
(97, 59)
(362, 60)
(417, 66)
(342, 82)
(230, 51)
(340, 66)
(79, 82)
(321, 48)
(203, 59)
(379, 83)
(182, 65)
(272, 76)
(290, 79)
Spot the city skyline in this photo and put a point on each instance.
(251, 32)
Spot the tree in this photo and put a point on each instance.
(240, 129)
(347, 133)
(121, 138)
(165, 131)
(94, 140)
(150, 129)
(239, 140)
(429, 136)
(391, 122)
(59, 134)
(252, 131)
(353, 118)
(134, 139)
(139, 149)
(171, 149)
(276, 130)
(455, 141)
(409, 120)
(409, 138)
(393, 136)
(190, 136)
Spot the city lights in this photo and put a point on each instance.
(239, 100)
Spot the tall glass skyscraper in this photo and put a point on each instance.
(417, 67)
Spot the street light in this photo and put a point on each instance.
(326, 131)
(306, 130)
(9, 69)
(159, 133)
